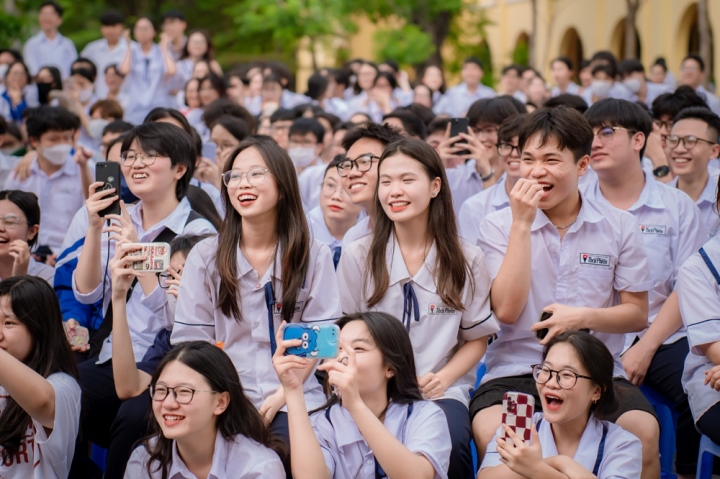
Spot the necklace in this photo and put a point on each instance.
(270, 258)
(567, 225)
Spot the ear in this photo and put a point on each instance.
(319, 149)
(34, 142)
(222, 403)
(596, 395)
(435, 186)
(639, 140)
(181, 169)
(32, 231)
(389, 374)
(582, 165)
(715, 152)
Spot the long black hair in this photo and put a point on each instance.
(36, 306)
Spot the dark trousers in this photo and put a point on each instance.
(458, 419)
(665, 376)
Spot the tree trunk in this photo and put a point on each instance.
(630, 34)
(705, 40)
(532, 44)
(438, 28)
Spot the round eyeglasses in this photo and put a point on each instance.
(607, 133)
(181, 394)
(566, 379)
(129, 157)
(506, 149)
(688, 142)
(362, 163)
(255, 177)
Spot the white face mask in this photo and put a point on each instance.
(3, 71)
(301, 156)
(85, 95)
(633, 84)
(601, 88)
(96, 127)
(58, 154)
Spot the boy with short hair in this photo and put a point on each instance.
(109, 50)
(305, 145)
(48, 47)
(174, 24)
(456, 100)
(562, 73)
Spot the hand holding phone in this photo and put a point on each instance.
(542, 333)
(318, 341)
(157, 256)
(108, 172)
(518, 410)
(457, 126)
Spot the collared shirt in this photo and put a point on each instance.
(699, 296)
(477, 207)
(362, 228)
(464, 181)
(60, 196)
(572, 89)
(601, 254)
(239, 458)
(620, 453)
(290, 99)
(361, 103)
(654, 90)
(438, 330)
(706, 202)
(39, 51)
(7, 165)
(348, 456)
(247, 341)
(41, 270)
(146, 83)
(319, 229)
(146, 315)
(102, 56)
(457, 100)
(671, 229)
(712, 101)
(310, 182)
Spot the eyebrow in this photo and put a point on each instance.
(564, 366)
(361, 340)
(181, 385)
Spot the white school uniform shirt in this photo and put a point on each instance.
(146, 315)
(464, 181)
(41, 270)
(620, 452)
(572, 89)
(39, 51)
(310, 182)
(699, 295)
(347, 455)
(42, 456)
(361, 229)
(601, 254)
(247, 342)
(290, 99)
(436, 330)
(319, 229)
(706, 202)
(60, 196)
(712, 101)
(213, 193)
(239, 458)
(672, 230)
(457, 100)
(654, 90)
(102, 56)
(146, 83)
(478, 206)
(361, 104)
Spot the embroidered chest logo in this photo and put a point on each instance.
(278, 307)
(653, 229)
(595, 259)
(440, 309)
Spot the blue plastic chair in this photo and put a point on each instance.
(480, 373)
(708, 450)
(665, 411)
(98, 455)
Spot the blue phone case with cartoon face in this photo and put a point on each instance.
(319, 341)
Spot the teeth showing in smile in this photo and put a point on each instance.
(173, 418)
(4, 240)
(357, 185)
(399, 203)
(247, 197)
(551, 399)
(681, 160)
(139, 176)
(547, 187)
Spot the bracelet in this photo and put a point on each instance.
(489, 175)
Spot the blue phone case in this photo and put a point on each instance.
(319, 341)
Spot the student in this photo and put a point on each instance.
(378, 100)
(114, 81)
(261, 268)
(19, 225)
(407, 123)
(568, 440)
(109, 50)
(17, 93)
(281, 121)
(157, 163)
(173, 25)
(632, 73)
(305, 146)
(336, 214)
(668, 105)
(691, 145)
(562, 73)
(414, 266)
(555, 250)
(227, 133)
(48, 47)
(47, 80)
(510, 82)
(205, 426)
(199, 46)
(377, 423)
(456, 100)
(671, 228)
(692, 74)
(495, 198)
(39, 394)
(54, 177)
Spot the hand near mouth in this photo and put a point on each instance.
(20, 250)
(524, 200)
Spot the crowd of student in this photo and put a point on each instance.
(351, 205)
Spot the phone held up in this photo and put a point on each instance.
(318, 341)
(109, 173)
(518, 409)
(457, 126)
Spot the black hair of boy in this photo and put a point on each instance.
(426, 114)
(563, 59)
(50, 118)
(490, 111)
(670, 104)
(237, 127)
(605, 68)
(86, 73)
(412, 124)
(697, 59)
(371, 131)
(475, 61)
(622, 113)
(55, 6)
(704, 115)
(519, 106)
(283, 114)
(303, 126)
(217, 82)
(117, 126)
(568, 99)
(111, 18)
(438, 125)
(329, 117)
(630, 66)
(513, 67)
(166, 140)
(345, 125)
(510, 128)
(161, 113)
(565, 125)
(225, 106)
(82, 62)
(173, 15)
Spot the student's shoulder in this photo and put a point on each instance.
(501, 218)
(359, 246)
(620, 438)
(697, 263)
(674, 199)
(472, 252)
(242, 447)
(65, 384)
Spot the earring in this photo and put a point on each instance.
(595, 401)
(390, 374)
(434, 195)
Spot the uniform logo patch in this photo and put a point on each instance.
(434, 308)
(596, 259)
(278, 307)
(653, 229)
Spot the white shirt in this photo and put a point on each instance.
(362, 228)
(146, 315)
(102, 56)
(464, 181)
(706, 202)
(319, 229)
(310, 182)
(7, 164)
(699, 295)
(146, 83)
(247, 342)
(60, 196)
(438, 330)
(671, 230)
(39, 51)
(572, 89)
(41, 270)
(239, 458)
(290, 99)
(42, 456)
(457, 100)
(478, 206)
(347, 455)
(601, 254)
(620, 454)
(362, 104)
(712, 101)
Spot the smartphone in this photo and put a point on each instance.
(518, 410)
(109, 173)
(541, 333)
(79, 336)
(318, 341)
(457, 126)
(158, 256)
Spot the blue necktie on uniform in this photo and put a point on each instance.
(411, 305)
(336, 255)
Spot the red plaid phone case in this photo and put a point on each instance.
(518, 409)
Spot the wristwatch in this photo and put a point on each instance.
(661, 171)
(489, 175)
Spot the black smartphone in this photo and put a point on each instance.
(457, 126)
(541, 333)
(109, 173)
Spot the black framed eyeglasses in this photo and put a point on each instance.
(362, 163)
(688, 142)
(181, 394)
(506, 149)
(566, 378)
(162, 279)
